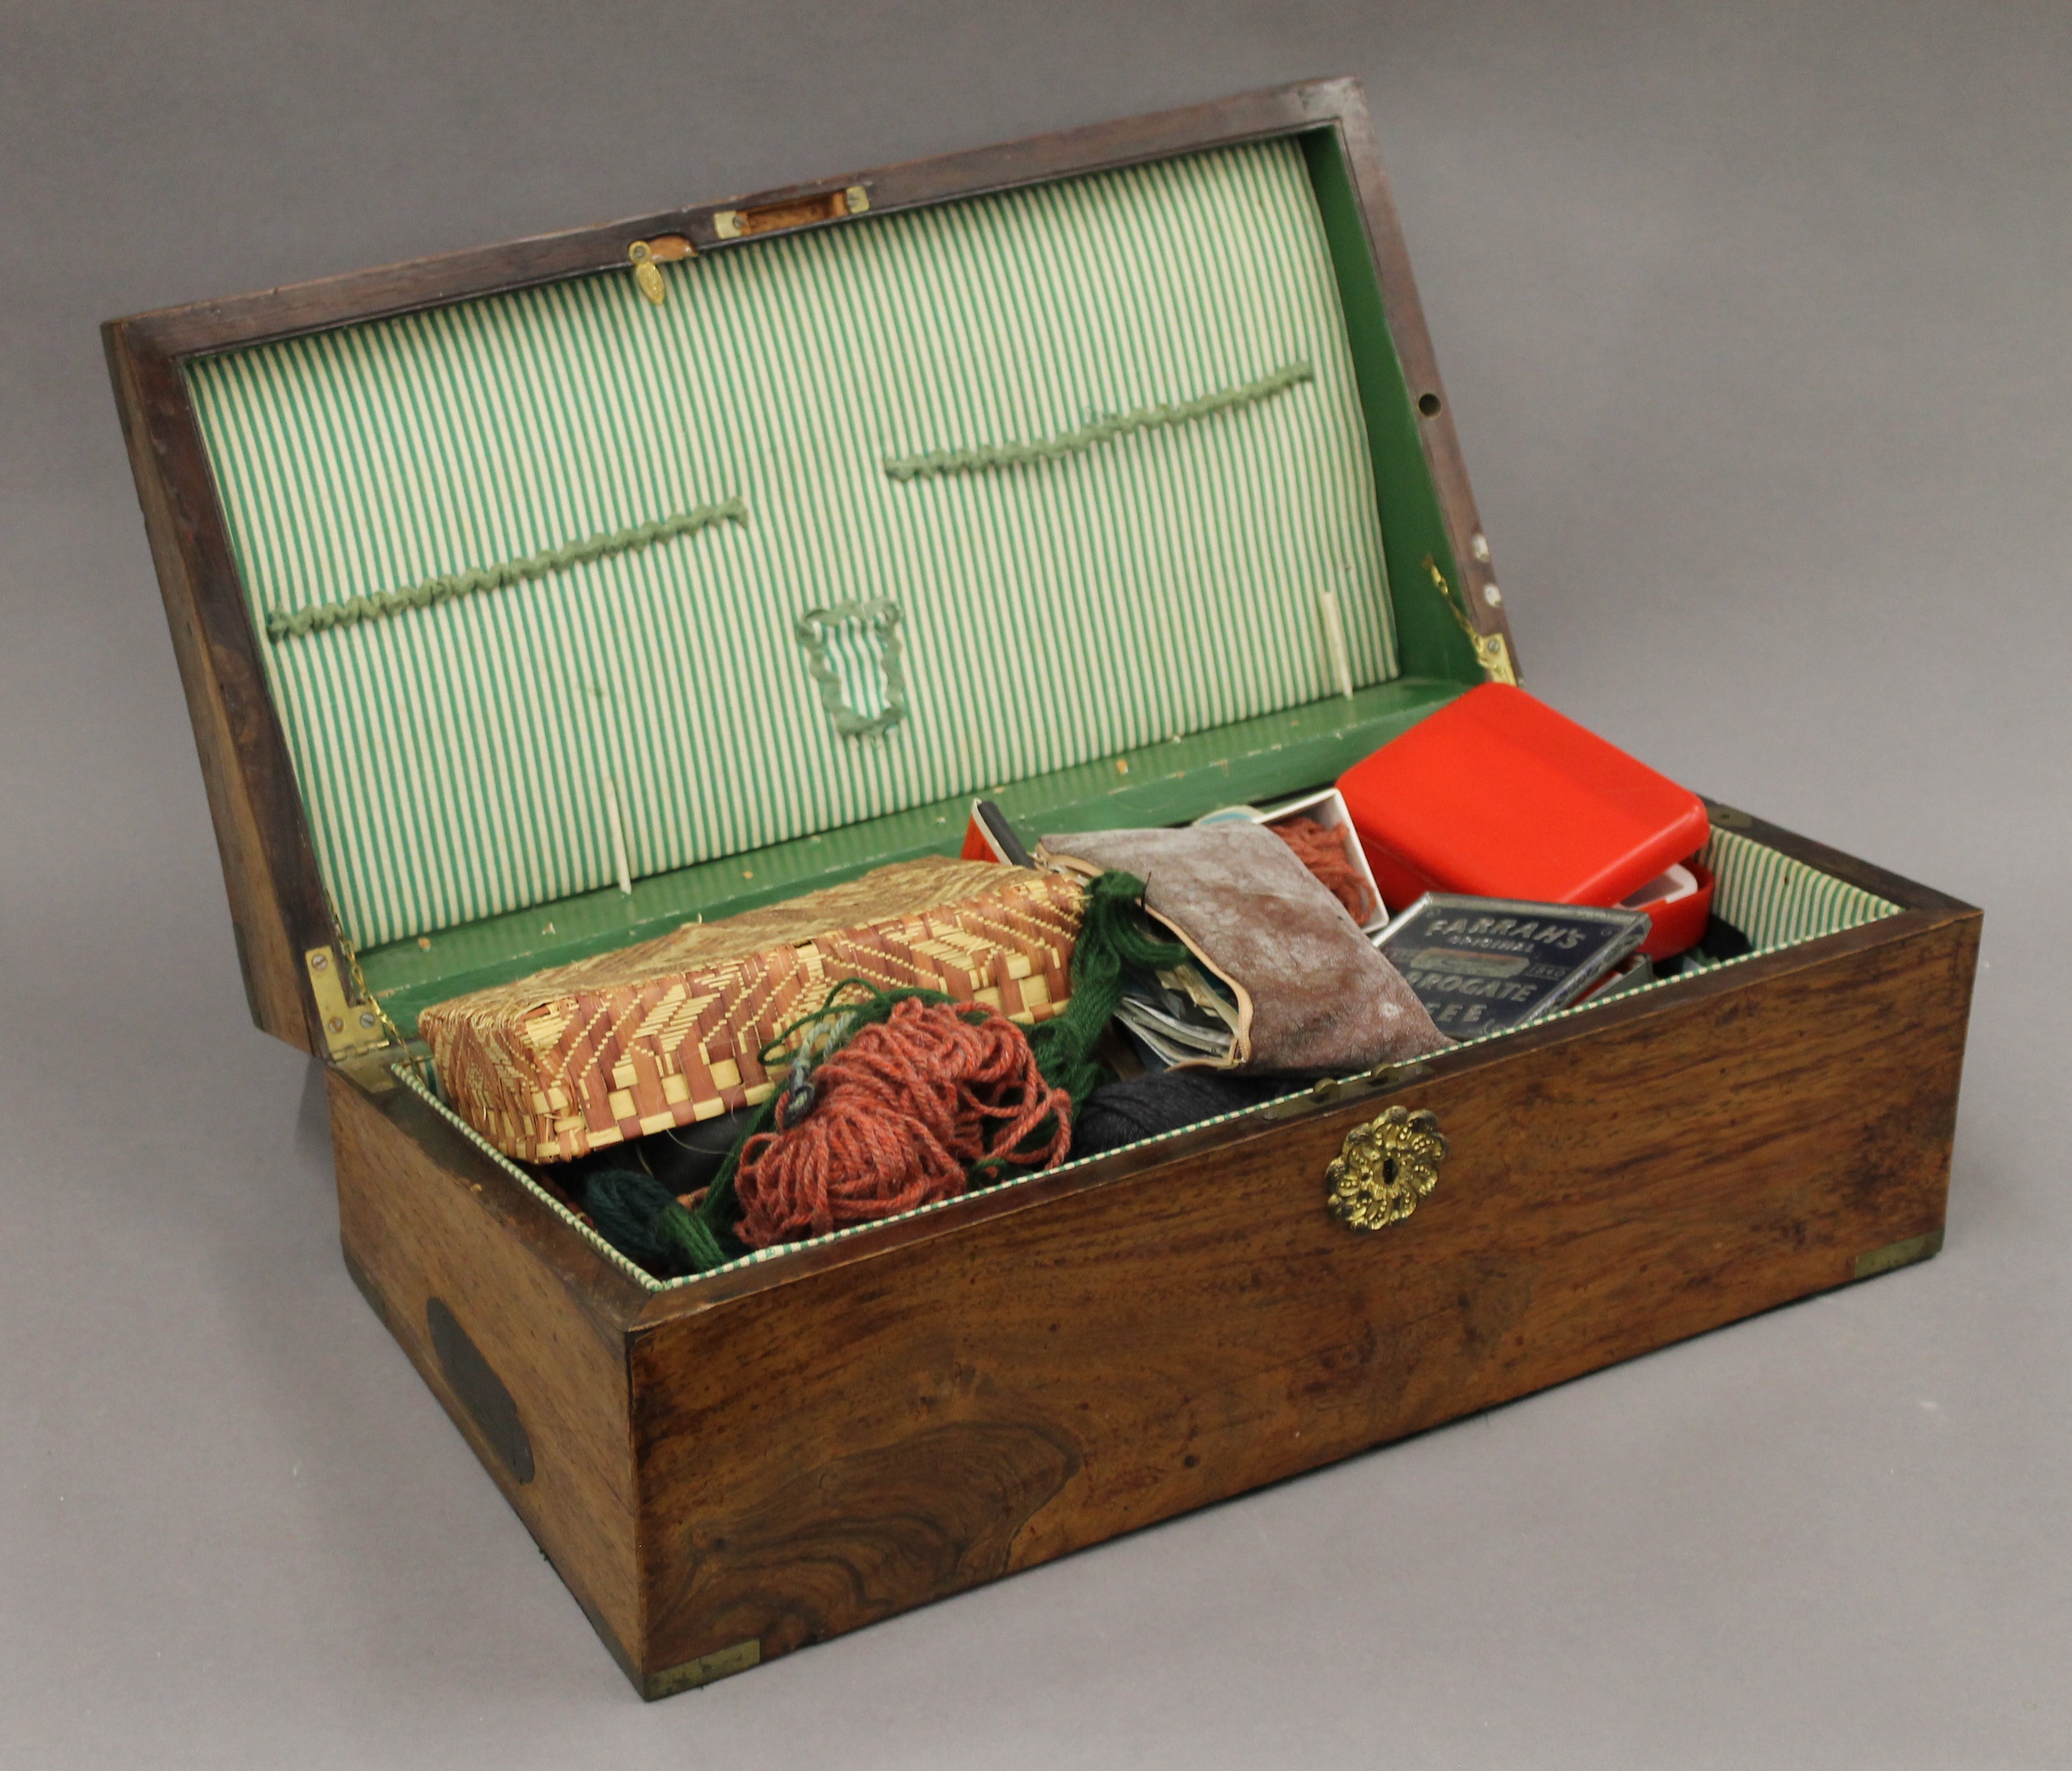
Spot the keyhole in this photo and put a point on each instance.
(1388, 1170)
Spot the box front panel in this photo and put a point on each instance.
(826, 1452)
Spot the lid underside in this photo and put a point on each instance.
(853, 638)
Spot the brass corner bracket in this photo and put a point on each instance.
(349, 1028)
(1492, 652)
(1904, 1253)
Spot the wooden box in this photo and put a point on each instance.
(1205, 321)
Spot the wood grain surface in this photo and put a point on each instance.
(1413, 339)
(846, 1444)
(802, 1447)
(745, 1465)
(423, 1214)
(278, 907)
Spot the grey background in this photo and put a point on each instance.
(1755, 320)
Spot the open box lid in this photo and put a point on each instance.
(724, 553)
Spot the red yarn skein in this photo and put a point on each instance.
(900, 1115)
(1323, 852)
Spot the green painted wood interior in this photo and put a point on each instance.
(1152, 600)
(1428, 640)
(1172, 782)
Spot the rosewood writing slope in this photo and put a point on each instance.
(808, 669)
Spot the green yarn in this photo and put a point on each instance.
(644, 1221)
(378, 605)
(1112, 941)
(627, 1204)
(641, 1217)
(702, 1244)
(984, 457)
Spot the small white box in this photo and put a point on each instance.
(1327, 807)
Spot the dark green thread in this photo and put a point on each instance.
(882, 617)
(1114, 940)
(378, 605)
(985, 457)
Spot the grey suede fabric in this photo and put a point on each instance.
(1314, 994)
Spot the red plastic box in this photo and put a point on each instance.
(1498, 794)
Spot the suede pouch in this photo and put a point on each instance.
(1313, 994)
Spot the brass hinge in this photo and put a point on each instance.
(349, 1028)
(1491, 651)
(1335, 1089)
(1493, 655)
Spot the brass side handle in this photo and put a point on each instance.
(1383, 1169)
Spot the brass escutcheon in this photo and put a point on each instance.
(1383, 1169)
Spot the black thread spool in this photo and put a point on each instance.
(687, 1159)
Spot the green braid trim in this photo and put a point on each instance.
(986, 456)
(380, 604)
(881, 615)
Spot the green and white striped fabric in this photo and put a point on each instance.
(1775, 901)
(454, 758)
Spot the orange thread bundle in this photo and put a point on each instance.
(1323, 852)
(900, 1117)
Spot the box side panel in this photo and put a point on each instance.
(1346, 166)
(819, 1454)
(532, 1377)
(276, 903)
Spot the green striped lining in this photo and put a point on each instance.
(454, 761)
(1775, 900)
